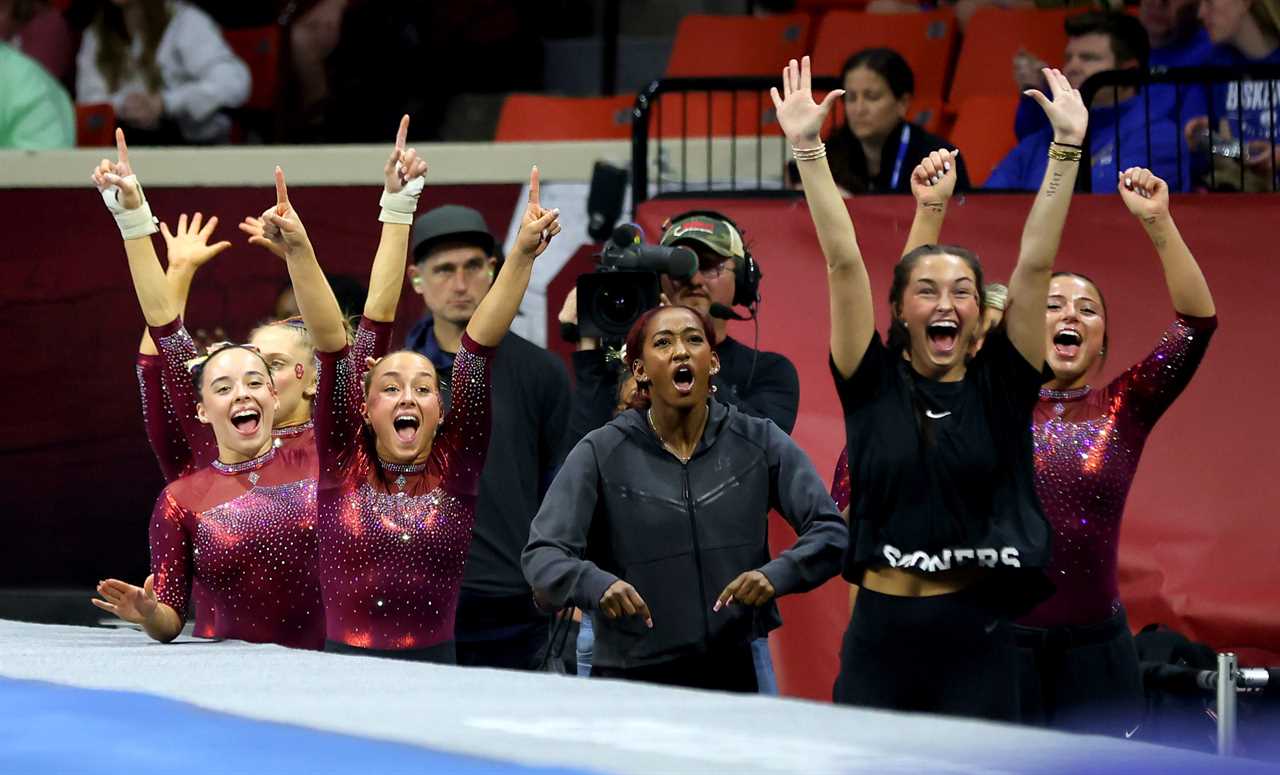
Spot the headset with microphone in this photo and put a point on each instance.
(746, 283)
(747, 274)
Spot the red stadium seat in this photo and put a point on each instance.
(992, 38)
(927, 112)
(926, 40)
(737, 45)
(259, 47)
(533, 117)
(95, 125)
(984, 133)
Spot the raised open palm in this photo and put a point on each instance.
(799, 116)
(1066, 112)
(131, 603)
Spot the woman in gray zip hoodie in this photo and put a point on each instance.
(657, 523)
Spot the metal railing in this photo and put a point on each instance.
(1226, 683)
(1221, 163)
(720, 144)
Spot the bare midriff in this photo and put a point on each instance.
(901, 582)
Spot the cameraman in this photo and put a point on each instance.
(760, 384)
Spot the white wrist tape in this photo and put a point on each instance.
(135, 223)
(400, 207)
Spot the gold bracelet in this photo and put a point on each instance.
(809, 154)
(1064, 154)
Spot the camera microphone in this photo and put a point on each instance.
(721, 312)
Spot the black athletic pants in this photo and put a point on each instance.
(726, 669)
(1081, 678)
(948, 654)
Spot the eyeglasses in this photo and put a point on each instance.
(713, 271)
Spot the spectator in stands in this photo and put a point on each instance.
(1244, 32)
(876, 147)
(40, 31)
(657, 524)
(1097, 42)
(313, 37)
(164, 67)
(35, 111)
(964, 9)
(1177, 39)
(454, 267)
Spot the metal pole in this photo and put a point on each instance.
(1227, 674)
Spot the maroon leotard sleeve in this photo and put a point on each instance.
(372, 340)
(337, 415)
(170, 541)
(463, 442)
(1149, 387)
(164, 432)
(176, 348)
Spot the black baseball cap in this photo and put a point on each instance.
(450, 223)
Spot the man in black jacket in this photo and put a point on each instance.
(454, 266)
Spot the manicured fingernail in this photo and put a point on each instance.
(1128, 182)
(648, 623)
(947, 166)
(716, 607)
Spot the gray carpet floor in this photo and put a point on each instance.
(541, 719)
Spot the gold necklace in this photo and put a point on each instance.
(666, 444)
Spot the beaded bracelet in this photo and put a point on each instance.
(1064, 154)
(809, 154)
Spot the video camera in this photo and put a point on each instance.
(625, 285)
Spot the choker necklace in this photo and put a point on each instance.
(231, 469)
(684, 459)
(1058, 396)
(294, 430)
(402, 469)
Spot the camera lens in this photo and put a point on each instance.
(618, 306)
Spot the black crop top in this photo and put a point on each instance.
(955, 488)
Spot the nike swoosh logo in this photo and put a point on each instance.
(1130, 733)
(932, 415)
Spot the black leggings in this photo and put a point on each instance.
(948, 654)
(440, 654)
(725, 668)
(1081, 678)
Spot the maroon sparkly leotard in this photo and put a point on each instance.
(246, 532)
(183, 445)
(392, 546)
(1087, 446)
